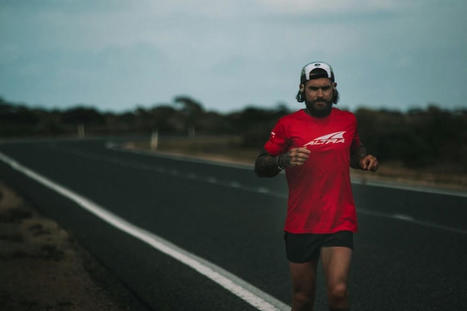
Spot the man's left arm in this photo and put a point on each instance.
(360, 159)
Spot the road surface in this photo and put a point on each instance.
(192, 235)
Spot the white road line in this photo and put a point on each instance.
(235, 184)
(211, 180)
(357, 180)
(410, 219)
(266, 191)
(173, 172)
(191, 176)
(186, 175)
(242, 289)
(383, 184)
(116, 146)
(403, 217)
(262, 190)
(181, 157)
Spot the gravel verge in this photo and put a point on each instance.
(43, 268)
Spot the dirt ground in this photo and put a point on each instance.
(43, 268)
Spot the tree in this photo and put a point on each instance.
(192, 110)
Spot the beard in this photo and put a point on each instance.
(319, 111)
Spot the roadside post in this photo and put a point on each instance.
(154, 141)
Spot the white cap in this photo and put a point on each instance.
(307, 69)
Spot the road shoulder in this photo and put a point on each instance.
(44, 268)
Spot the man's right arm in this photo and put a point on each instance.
(267, 165)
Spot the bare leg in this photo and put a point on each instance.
(336, 265)
(303, 285)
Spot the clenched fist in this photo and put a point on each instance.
(369, 163)
(293, 157)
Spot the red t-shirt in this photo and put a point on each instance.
(320, 193)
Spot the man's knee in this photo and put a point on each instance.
(338, 292)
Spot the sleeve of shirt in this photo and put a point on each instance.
(278, 142)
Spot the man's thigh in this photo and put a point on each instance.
(304, 277)
(303, 272)
(336, 263)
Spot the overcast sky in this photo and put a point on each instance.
(114, 55)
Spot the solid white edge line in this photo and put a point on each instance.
(235, 285)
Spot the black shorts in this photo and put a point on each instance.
(305, 247)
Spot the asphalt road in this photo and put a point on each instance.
(410, 252)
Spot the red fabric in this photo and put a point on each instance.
(320, 193)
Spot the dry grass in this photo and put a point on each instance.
(42, 268)
(217, 148)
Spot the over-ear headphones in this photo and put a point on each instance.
(299, 96)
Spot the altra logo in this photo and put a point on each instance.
(333, 138)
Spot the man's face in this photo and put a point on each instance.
(319, 92)
(319, 95)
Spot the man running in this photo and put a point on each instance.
(316, 146)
